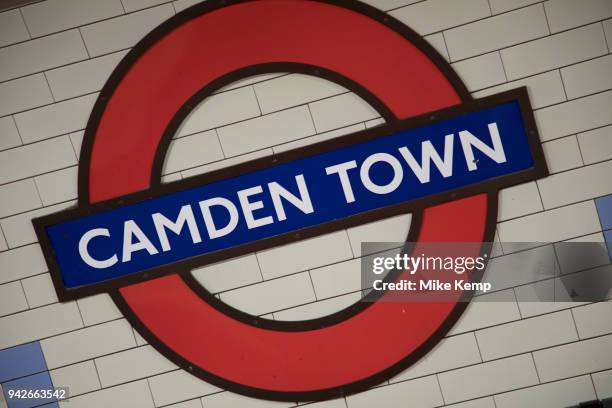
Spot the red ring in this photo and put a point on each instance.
(192, 55)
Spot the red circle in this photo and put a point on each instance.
(131, 127)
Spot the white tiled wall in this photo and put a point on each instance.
(55, 56)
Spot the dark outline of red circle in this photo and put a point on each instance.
(229, 78)
(83, 200)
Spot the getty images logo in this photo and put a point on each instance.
(440, 155)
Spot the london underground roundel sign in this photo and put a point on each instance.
(441, 155)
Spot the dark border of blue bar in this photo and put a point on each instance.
(185, 266)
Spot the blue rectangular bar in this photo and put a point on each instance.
(450, 154)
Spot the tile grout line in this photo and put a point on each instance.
(256, 100)
(314, 125)
(89, 58)
(497, 240)
(546, 18)
(518, 306)
(25, 24)
(49, 87)
(563, 85)
(540, 195)
(80, 312)
(580, 151)
(18, 134)
(314, 292)
(348, 238)
(439, 388)
(557, 269)
(24, 294)
(77, 153)
(575, 325)
(593, 385)
(150, 390)
(446, 47)
(220, 147)
(535, 366)
(38, 194)
(604, 34)
(263, 279)
(93, 360)
(482, 360)
(4, 238)
(503, 69)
